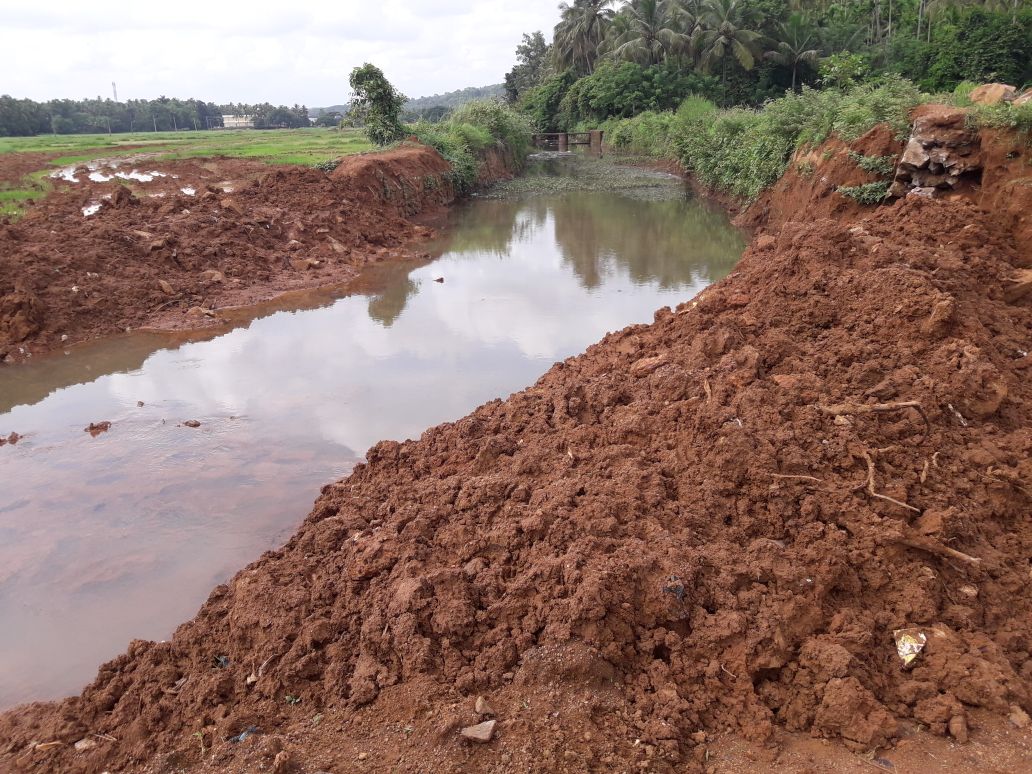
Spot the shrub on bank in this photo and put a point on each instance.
(742, 151)
(471, 129)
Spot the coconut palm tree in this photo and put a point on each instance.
(796, 44)
(723, 32)
(581, 28)
(648, 31)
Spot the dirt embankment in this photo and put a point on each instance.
(712, 524)
(990, 168)
(172, 251)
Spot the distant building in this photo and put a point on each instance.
(238, 122)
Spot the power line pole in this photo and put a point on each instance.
(114, 90)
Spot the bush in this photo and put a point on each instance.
(627, 89)
(648, 134)
(1003, 116)
(868, 193)
(735, 151)
(500, 121)
(377, 104)
(542, 102)
(472, 128)
(744, 151)
(877, 165)
(654, 134)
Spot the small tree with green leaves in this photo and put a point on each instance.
(377, 104)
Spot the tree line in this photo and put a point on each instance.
(608, 58)
(24, 117)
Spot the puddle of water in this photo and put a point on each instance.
(122, 536)
(67, 174)
(188, 190)
(93, 172)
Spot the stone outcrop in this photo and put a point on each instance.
(941, 151)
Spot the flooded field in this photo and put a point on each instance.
(119, 536)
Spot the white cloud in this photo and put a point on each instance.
(259, 51)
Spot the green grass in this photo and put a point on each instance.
(14, 197)
(275, 146)
(308, 147)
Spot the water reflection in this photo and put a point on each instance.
(120, 536)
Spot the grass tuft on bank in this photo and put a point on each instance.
(471, 130)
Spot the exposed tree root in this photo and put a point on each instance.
(871, 490)
(845, 409)
(803, 478)
(922, 543)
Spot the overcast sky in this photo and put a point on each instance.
(283, 52)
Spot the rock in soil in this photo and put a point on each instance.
(481, 732)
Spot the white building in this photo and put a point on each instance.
(238, 122)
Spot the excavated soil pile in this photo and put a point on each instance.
(406, 179)
(172, 261)
(712, 523)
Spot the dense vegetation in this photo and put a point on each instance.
(25, 117)
(472, 129)
(618, 59)
(654, 75)
(742, 151)
(376, 105)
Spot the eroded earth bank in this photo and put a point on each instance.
(713, 526)
(171, 243)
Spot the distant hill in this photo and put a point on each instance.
(454, 99)
(316, 112)
(450, 100)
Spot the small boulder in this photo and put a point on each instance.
(96, 428)
(85, 744)
(958, 728)
(191, 423)
(481, 733)
(1024, 99)
(992, 94)
(1018, 717)
(914, 155)
(482, 707)
(166, 288)
(231, 204)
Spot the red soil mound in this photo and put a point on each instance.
(171, 262)
(665, 536)
(808, 189)
(407, 177)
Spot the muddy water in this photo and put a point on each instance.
(120, 536)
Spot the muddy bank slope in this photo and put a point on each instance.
(172, 259)
(942, 158)
(712, 523)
